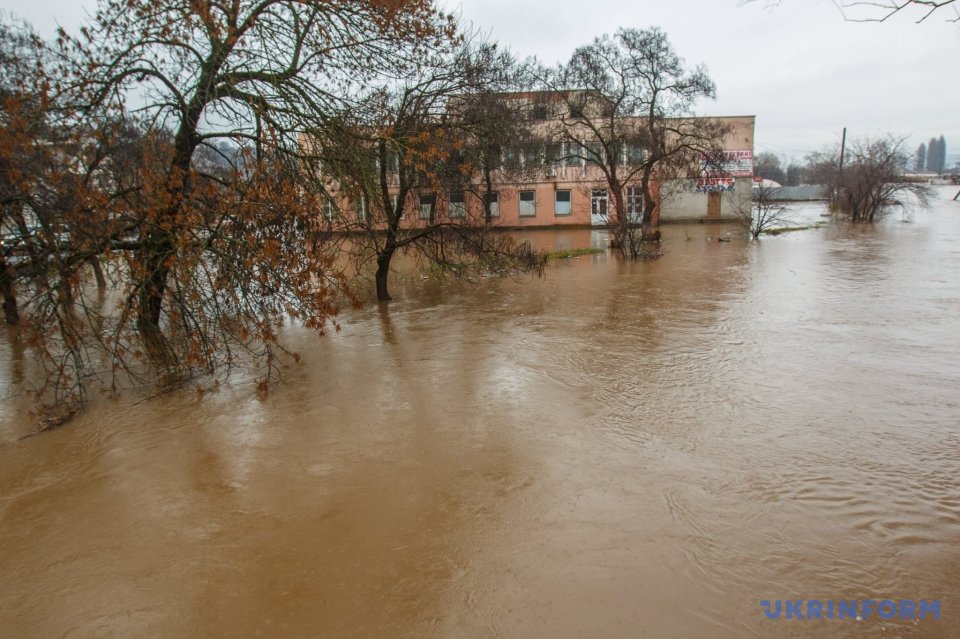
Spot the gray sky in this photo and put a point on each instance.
(799, 67)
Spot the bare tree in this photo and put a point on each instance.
(416, 163)
(492, 120)
(768, 166)
(883, 10)
(763, 213)
(870, 181)
(631, 118)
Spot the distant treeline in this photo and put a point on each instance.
(930, 157)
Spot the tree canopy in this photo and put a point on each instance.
(635, 97)
(208, 249)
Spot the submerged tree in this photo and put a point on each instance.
(203, 264)
(22, 118)
(262, 67)
(412, 169)
(763, 213)
(870, 181)
(631, 118)
(493, 121)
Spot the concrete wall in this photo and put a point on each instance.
(681, 201)
(795, 193)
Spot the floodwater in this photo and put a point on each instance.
(617, 450)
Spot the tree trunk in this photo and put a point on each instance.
(153, 260)
(98, 274)
(651, 216)
(159, 250)
(488, 181)
(393, 223)
(622, 224)
(383, 273)
(11, 312)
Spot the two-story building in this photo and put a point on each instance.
(555, 176)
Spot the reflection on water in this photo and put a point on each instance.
(614, 450)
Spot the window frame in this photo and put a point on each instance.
(494, 203)
(457, 209)
(532, 203)
(428, 214)
(598, 196)
(634, 201)
(329, 210)
(569, 203)
(363, 212)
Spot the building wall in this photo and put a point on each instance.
(681, 199)
(545, 204)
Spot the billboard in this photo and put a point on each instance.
(738, 163)
(715, 184)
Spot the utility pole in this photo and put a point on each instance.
(843, 147)
(836, 192)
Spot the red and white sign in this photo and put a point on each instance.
(732, 164)
(715, 184)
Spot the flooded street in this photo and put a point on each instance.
(615, 450)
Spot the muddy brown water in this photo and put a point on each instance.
(616, 450)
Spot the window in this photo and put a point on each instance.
(393, 162)
(426, 206)
(576, 110)
(562, 206)
(494, 200)
(329, 212)
(531, 156)
(555, 155)
(362, 209)
(512, 158)
(594, 151)
(494, 156)
(582, 153)
(458, 207)
(598, 204)
(539, 112)
(636, 154)
(528, 203)
(634, 203)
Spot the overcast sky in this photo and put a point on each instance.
(799, 67)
